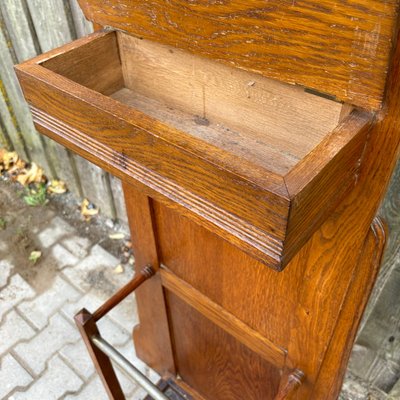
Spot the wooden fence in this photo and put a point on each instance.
(28, 28)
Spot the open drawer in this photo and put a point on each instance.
(259, 162)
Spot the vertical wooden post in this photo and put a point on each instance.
(152, 337)
(87, 328)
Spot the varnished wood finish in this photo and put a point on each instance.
(363, 280)
(226, 321)
(144, 274)
(289, 385)
(242, 199)
(153, 340)
(87, 327)
(211, 361)
(341, 48)
(94, 64)
(356, 214)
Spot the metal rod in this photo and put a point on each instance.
(128, 368)
(146, 273)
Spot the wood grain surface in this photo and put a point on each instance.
(324, 289)
(337, 246)
(340, 48)
(211, 361)
(226, 321)
(153, 340)
(230, 182)
(227, 98)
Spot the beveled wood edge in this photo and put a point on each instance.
(318, 158)
(244, 235)
(68, 47)
(225, 320)
(330, 169)
(376, 238)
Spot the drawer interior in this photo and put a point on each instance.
(266, 122)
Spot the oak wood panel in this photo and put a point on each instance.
(305, 308)
(218, 270)
(363, 279)
(324, 268)
(226, 321)
(153, 341)
(250, 147)
(341, 48)
(211, 361)
(239, 233)
(242, 198)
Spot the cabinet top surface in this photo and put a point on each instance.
(341, 48)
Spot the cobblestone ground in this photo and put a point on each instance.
(41, 354)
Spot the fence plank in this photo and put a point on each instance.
(96, 186)
(20, 29)
(82, 25)
(52, 30)
(8, 122)
(5, 141)
(119, 200)
(52, 20)
(28, 139)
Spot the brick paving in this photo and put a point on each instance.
(41, 354)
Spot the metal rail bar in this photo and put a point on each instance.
(128, 368)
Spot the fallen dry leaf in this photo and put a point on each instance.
(57, 187)
(17, 167)
(119, 269)
(9, 158)
(116, 236)
(34, 256)
(32, 175)
(88, 209)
